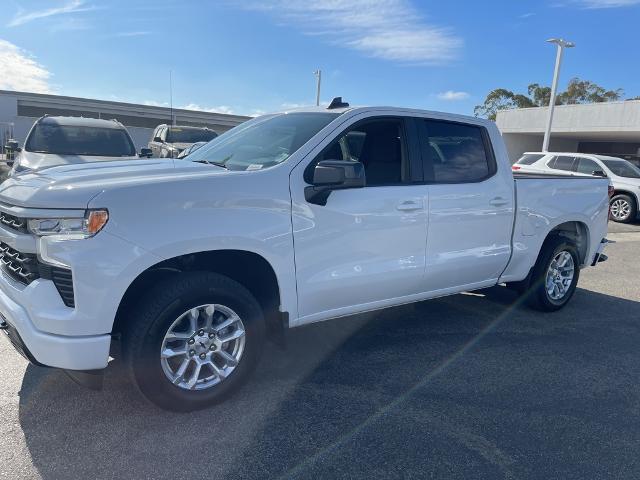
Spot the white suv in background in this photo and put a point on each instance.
(624, 176)
(56, 141)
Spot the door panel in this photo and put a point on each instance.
(469, 239)
(366, 245)
(471, 207)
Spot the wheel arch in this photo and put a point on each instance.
(577, 232)
(248, 268)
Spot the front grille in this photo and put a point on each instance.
(13, 222)
(22, 267)
(25, 268)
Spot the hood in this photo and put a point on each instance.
(73, 186)
(626, 182)
(38, 161)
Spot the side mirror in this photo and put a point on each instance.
(599, 173)
(158, 139)
(146, 153)
(13, 145)
(329, 175)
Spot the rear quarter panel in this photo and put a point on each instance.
(544, 203)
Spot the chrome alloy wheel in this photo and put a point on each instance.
(620, 209)
(560, 275)
(202, 347)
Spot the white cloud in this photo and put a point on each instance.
(153, 103)
(20, 71)
(71, 6)
(526, 15)
(219, 109)
(608, 3)
(386, 29)
(450, 95)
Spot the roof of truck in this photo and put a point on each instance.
(392, 110)
(81, 122)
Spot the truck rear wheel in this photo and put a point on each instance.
(555, 275)
(193, 340)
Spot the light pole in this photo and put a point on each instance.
(318, 74)
(562, 44)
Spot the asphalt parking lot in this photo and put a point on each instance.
(470, 386)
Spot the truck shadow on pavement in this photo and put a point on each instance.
(460, 387)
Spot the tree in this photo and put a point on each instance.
(501, 99)
(578, 91)
(584, 91)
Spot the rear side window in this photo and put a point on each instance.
(562, 163)
(78, 140)
(587, 166)
(529, 158)
(456, 153)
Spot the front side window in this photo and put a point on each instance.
(263, 142)
(457, 153)
(622, 168)
(378, 145)
(562, 163)
(587, 166)
(78, 140)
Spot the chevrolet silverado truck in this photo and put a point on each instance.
(189, 266)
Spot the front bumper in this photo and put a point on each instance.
(72, 353)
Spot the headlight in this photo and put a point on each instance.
(92, 223)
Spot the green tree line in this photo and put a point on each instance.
(578, 91)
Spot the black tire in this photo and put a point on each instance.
(537, 295)
(622, 199)
(150, 320)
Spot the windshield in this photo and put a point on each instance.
(622, 168)
(262, 142)
(77, 140)
(190, 135)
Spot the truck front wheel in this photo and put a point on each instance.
(555, 275)
(193, 340)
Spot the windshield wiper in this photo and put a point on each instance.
(209, 162)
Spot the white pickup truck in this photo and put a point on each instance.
(287, 219)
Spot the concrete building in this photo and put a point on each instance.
(605, 128)
(18, 111)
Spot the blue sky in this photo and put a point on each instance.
(253, 56)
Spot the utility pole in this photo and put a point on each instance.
(562, 44)
(173, 122)
(318, 74)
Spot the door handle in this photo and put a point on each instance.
(409, 206)
(498, 201)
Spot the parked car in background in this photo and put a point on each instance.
(168, 141)
(624, 176)
(288, 219)
(191, 149)
(55, 141)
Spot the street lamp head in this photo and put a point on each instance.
(561, 42)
